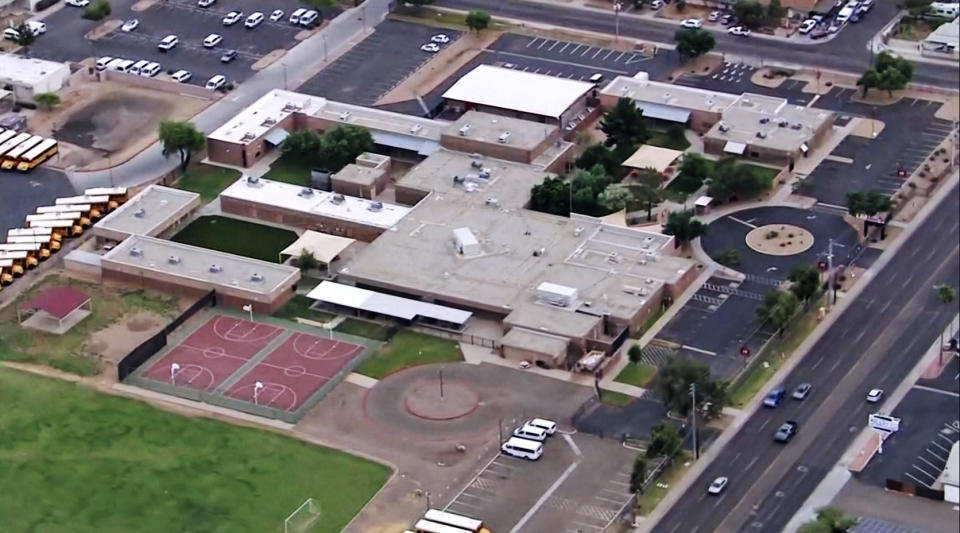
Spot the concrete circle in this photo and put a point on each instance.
(423, 400)
(779, 239)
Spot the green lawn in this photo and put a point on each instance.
(663, 140)
(637, 374)
(618, 399)
(649, 500)
(207, 180)
(289, 171)
(299, 306)
(767, 172)
(369, 330)
(237, 237)
(409, 348)
(81, 461)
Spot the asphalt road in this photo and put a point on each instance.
(845, 53)
(876, 342)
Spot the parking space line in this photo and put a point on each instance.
(459, 503)
(564, 47)
(931, 452)
(608, 54)
(591, 526)
(617, 492)
(535, 39)
(543, 498)
(475, 497)
(917, 480)
(541, 44)
(928, 474)
(555, 43)
(585, 51)
(594, 56)
(575, 49)
(619, 483)
(935, 467)
(561, 62)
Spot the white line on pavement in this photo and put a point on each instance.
(575, 49)
(543, 498)
(533, 41)
(765, 422)
(745, 223)
(564, 47)
(752, 462)
(917, 480)
(931, 389)
(555, 43)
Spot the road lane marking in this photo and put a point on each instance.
(765, 422)
(573, 445)
(750, 465)
(815, 365)
(543, 498)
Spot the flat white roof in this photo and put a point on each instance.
(385, 304)
(668, 95)
(517, 90)
(317, 202)
(264, 114)
(150, 212)
(19, 70)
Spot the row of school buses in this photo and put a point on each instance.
(43, 233)
(24, 151)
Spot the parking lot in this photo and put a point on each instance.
(579, 485)
(23, 193)
(66, 41)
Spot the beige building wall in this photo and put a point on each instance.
(300, 219)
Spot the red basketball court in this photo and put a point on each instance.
(293, 371)
(212, 353)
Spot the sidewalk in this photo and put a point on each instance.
(911, 50)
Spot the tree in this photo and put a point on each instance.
(647, 190)
(778, 308)
(598, 154)
(638, 475)
(98, 10)
(625, 127)
(734, 180)
(868, 203)
(869, 80)
(806, 282)
(25, 36)
(478, 20)
(889, 72)
(47, 100)
(692, 43)
(672, 385)
(635, 353)
(302, 146)
(182, 138)
(892, 80)
(665, 440)
(751, 14)
(946, 293)
(775, 13)
(308, 261)
(341, 145)
(917, 7)
(693, 171)
(552, 195)
(829, 520)
(728, 257)
(587, 186)
(614, 197)
(684, 227)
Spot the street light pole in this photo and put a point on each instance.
(693, 416)
(616, 19)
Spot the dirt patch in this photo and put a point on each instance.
(440, 67)
(268, 59)
(950, 110)
(142, 322)
(103, 29)
(878, 97)
(779, 239)
(115, 341)
(689, 12)
(767, 77)
(700, 66)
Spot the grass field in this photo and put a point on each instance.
(369, 330)
(618, 399)
(409, 348)
(636, 374)
(237, 237)
(649, 500)
(289, 171)
(299, 306)
(66, 352)
(82, 461)
(207, 180)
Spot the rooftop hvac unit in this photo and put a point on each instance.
(458, 179)
(466, 242)
(493, 202)
(504, 137)
(269, 121)
(305, 192)
(476, 164)
(256, 276)
(375, 206)
(484, 173)
(253, 180)
(337, 199)
(247, 137)
(783, 123)
(666, 96)
(764, 120)
(539, 251)
(796, 126)
(215, 269)
(416, 128)
(173, 260)
(558, 295)
(578, 231)
(723, 127)
(761, 135)
(344, 116)
(464, 129)
(136, 252)
(140, 213)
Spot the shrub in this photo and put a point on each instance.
(43, 4)
(98, 10)
(772, 235)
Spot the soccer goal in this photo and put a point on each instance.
(301, 520)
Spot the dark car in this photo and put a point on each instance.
(786, 431)
(728, 19)
(774, 397)
(228, 56)
(819, 33)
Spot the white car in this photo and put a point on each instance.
(740, 31)
(232, 18)
(692, 23)
(714, 16)
(717, 486)
(277, 15)
(875, 395)
(182, 76)
(130, 25)
(253, 20)
(212, 40)
(807, 26)
(431, 47)
(206, 3)
(36, 27)
(11, 34)
(216, 82)
(168, 43)
(440, 38)
(656, 4)
(77, 3)
(150, 70)
(547, 425)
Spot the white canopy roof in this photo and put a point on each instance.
(733, 147)
(655, 157)
(385, 304)
(325, 247)
(517, 90)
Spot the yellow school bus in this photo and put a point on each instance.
(47, 243)
(37, 155)
(34, 250)
(20, 262)
(33, 232)
(64, 228)
(118, 195)
(11, 158)
(12, 143)
(99, 204)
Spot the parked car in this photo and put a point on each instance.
(232, 18)
(774, 397)
(150, 70)
(717, 486)
(212, 40)
(807, 26)
(656, 4)
(309, 18)
(739, 31)
(440, 38)
(77, 3)
(786, 431)
(819, 33)
(11, 34)
(216, 82)
(168, 43)
(182, 76)
(36, 27)
(802, 391)
(855, 17)
(295, 16)
(692, 23)
(875, 395)
(547, 425)
(130, 25)
(276, 15)
(728, 19)
(206, 3)
(229, 56)
(254, 20)
(431, 47)
(714, 16)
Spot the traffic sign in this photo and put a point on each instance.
(884, 423)
(744, 351)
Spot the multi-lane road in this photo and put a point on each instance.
(875, 342)
(847, 52)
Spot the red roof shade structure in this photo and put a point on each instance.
(57, 302)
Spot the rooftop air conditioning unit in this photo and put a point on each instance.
(723, 127)
(666, 96)
(796, 126)
(136, 252)
(464, 129)
(256, 276)
(764, 120)
(215, 269)
(578, 231)
(484, 173)
(269, 121)
(253, 180)
(416, 128)
(173, 260)
(476, 164)
(539, 251)
(337, 199)
(458, 179)
(344, 116)
(247, 137)
(305, 192)
(493, 202)
(140, 213)
(375, 206)
(761, 135)
(783, 123)
(504, 137)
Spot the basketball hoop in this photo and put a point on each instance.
(257, 387)
(174, 368)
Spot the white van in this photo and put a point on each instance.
(309, 18)
(295, 16)
(120, 64)
(522, 448)
(527, 431)
(216, 82)
(943, 9)
(150, 70)
(36, 27)
(547, 425)
(137, 67)
(844, 15)
(103, 62)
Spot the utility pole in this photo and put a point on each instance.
(617, 6)
(693, 416)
